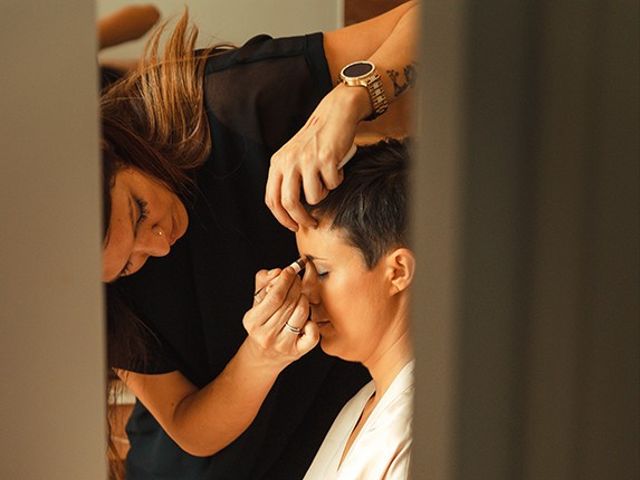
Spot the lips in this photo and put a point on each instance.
(318, 316)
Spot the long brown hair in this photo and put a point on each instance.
(153, 119)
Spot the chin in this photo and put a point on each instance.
(328, 346)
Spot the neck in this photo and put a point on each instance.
(393, 352)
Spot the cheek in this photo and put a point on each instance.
(349, 297)
(161, 206)
(162, 201)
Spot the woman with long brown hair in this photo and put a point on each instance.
(192, 146)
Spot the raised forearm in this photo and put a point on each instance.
(389, 42)
(395, 58)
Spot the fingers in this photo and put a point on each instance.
(331, 174)
(313, 186)
(328, 170)
(288, 304)
(283, 195)
(269, 300)
(291, 199)
(309, 338)
(332, 179)
(301, 333)
(264, 321)
(300, 314)
(263, 277)
(294, 323)
(320, 174)
(293, 310)
(273, 198)
(311, 161)
(279, 327)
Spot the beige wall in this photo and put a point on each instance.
(238, 20)
(526, 231)
(51, 333)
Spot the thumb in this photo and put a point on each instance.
(309, 338)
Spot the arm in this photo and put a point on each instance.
(125, 24)
(309, 160)
(204, 421)
(388, 41)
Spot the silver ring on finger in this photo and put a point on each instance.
(292, 329)
(259, 295)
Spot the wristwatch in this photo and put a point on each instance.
(363, 74)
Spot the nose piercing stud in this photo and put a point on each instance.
(158, 231)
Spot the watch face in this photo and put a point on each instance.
(358, 69)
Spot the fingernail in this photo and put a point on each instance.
(272, 271)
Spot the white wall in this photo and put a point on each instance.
(51, 324)
(238, 20)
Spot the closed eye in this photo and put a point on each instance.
(143, 210)
(143, 214)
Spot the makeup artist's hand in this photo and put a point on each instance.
(278, 326)
(309, 161)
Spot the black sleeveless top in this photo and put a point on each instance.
(193, 300)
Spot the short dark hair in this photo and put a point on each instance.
(370, 204)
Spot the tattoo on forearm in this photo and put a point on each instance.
(409, 79)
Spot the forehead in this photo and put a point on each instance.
(324, 242)
(119, 241)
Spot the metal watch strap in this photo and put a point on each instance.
(378, 99)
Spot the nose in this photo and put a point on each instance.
(310, 284)
(153, 242)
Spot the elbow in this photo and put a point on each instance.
(193, 443)
(191, 439)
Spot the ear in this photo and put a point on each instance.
(401, 266)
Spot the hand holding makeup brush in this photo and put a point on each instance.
(278, 326)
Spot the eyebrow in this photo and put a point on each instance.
(312, 258)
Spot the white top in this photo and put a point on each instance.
(382, 448)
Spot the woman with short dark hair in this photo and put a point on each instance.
(358, 278)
